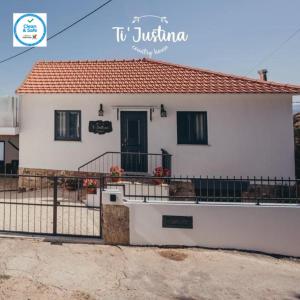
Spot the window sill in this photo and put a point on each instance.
(62, 140)
(207, 145)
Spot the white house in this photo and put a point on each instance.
(213, 124)
(9, 135)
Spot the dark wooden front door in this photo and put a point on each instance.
(134, 140)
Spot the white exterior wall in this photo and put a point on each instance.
(8, 112)
(248, 135)
(270, 229)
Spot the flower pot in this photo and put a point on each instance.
(91, 190)
(115, 179)
(158, 181)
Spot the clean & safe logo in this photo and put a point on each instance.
(149, 35)
(30, 30)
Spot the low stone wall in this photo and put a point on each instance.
(266, 192)
(27, 182)
(182, 188)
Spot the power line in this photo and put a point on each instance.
(76, 22)
(59, 32)
(13, 56)
(274, 51)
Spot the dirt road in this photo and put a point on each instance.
(31, 269)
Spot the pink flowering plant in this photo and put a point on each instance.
(89, 183)
(161, 172)
(116, 171)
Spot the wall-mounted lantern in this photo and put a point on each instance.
(163, 112)
(101, 112)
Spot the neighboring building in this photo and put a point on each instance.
(297, 143)
(9, 135)
(211, 123)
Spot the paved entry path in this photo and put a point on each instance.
(31, 269)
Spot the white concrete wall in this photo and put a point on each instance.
(248, 135)
(270, 229)
(8, 113)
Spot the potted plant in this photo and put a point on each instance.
(115, 173)
(160, 172)
(90, 185)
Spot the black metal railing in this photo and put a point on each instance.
(131, 162)
(64, 205)
(203, 189)
(50, 205)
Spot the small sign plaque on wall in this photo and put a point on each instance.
(100, 127)
(185, 222)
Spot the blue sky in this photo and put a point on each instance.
(230, 36)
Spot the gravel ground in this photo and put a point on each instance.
(33, 269)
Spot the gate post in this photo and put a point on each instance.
(101, 187)
(115, 218)
(55, 179)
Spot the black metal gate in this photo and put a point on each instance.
(50, 205)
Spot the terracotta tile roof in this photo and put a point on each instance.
(138, 76)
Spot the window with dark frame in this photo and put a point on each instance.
(67, 125)
(192, 127)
